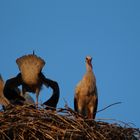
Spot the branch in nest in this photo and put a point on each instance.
(108, 106)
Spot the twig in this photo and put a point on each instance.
(108, 106)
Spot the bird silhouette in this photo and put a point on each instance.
(86, 97)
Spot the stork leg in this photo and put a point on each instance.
(37, 95)
(23, 91)
(90, 113)
(81, 109)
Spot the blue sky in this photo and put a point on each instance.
(63, 33)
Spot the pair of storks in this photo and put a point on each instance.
(31, 79)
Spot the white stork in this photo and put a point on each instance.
(86, 97)
(30, 67)
(31, 79)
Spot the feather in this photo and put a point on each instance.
(30, 66)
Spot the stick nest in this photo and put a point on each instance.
(28, 123)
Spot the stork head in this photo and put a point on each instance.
(89, 61)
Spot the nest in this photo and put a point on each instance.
(30, 66)
(28, 123)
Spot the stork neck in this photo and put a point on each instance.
(89, 67)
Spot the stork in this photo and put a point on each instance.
(3, 100)
(30, 77)
(86, 97)
(30, 67)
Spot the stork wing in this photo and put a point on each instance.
(52, 102)
(10, 91)
(75, 104)
(77, 91)
(95, 102)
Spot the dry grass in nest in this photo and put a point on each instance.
(27, 123)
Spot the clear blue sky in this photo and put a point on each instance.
(63, 32)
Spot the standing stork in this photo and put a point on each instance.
(86, 97)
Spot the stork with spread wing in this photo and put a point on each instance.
(30, 78)
(30, 67)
